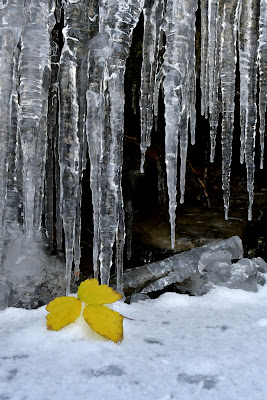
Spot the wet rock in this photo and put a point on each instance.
(196, 271)
(156, 276)
(216, 269)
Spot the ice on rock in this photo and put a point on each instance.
(222, 259)
(244, 275)
(20, 264)
(31, 277)
(25, 270)
(198, 271)
(179, 267)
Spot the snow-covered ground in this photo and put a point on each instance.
(177, 347)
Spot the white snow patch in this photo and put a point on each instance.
(176, 347)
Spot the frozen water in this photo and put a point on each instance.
(179, 94)
(197, 271)
(244, 275)
(62, 69)
(262, 60)
(160, 274)
(153, 18)
(221, 259)
(108, 52)
(248, 46)
(31, 277)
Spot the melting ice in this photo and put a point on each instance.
(62, 67)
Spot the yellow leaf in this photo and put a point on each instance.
(90, 292)
(62, 311)
(104, 321)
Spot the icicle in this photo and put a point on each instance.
(53, 220)
(191, 78)
(13, 196)
(213, 71)
(98, 54)
(69, 148)
(152, 23)
(248, 36)
(204, 65)
(34, 70)
(11, 25)
(179, 72)
(72, 139)
(262, 61)
(120, 240)
(77, 236)
(210, 70)
(105, 104)
(71, 121)
(227, 66)
(51, 188)
(59, 225)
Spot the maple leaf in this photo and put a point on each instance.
(65, 310)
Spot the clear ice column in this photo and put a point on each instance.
(262, 61)
(12, 19)
(34, 73)
(105, 120)
(228, 59)
(153, 16)
(248, 52)
(72, 139)
(179, 93)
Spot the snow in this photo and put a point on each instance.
(176, 347)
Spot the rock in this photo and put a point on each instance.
(218, 270)
(156, 276)
(197, 271)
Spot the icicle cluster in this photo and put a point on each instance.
(178, 75)
(72, 144)
(108, 52)
(58, 103)
(24, 82)
(234, 35)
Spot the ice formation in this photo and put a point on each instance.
(61, 98)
